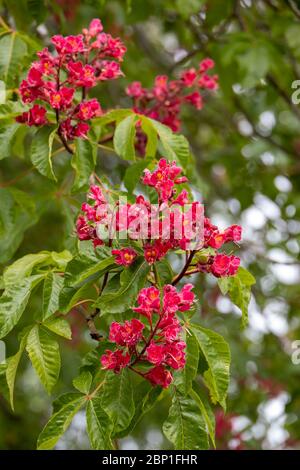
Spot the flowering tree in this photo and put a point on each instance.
(127, 272)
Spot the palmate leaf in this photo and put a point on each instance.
(59, 326)
(133, 173)
(217, 354)
(12, 52)
(239, 289)
(59, 422)
(208, 415)
(124, 137)
(83, 161)
(117, 399)
(82, 268)
(7, 134)
(175, 146)
(41, 151)
(83, 382)
(131, 281)
(145, 396)
(23, 267)
(98, 425)
(43, 351)
(17, 214)
(185, 426)
(53, 285)
(184, 378)
(13, 363)
(13, 302)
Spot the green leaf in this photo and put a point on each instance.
(117, 399)
(239, 289)
(53, 285)
(150, 131)
(145, 397)
(184, 378)
(124, 137)
(133, 174)
(116, 115)
(23, 267)
(185, 426)
(43, 352)
(59, 326)
(41, 151)
(83, 161)
(164, 272)
(205, 409)
(98, 425)
(13, 302)
(4, 391)
(69, 296)
(82, 268)
(17, 213)
(175, 146)
(83, 382)
(7, 134)
(132, 280)
(217, 354)
(12, 52)
(60, 420)
(61, 259)
(12, 365)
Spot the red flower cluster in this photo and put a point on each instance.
(160, 347)
(154, 341)
(164, 100)
(79, 62)
(159, 228)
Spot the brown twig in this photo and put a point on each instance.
(184, 269)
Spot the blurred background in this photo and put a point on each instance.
(246, 142)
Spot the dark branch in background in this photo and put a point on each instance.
(162, 59)
(90, 322)
(294, 8)
(184, 269)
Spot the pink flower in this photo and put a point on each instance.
(195, 99)
(81, 130)
(115, 360)
(171, 299)
(81, 75)
(61, 99)
(187, 298)
(224, 265)
(36, 116)
(125, 256)
(148, 301)
(96, 194)
(68, 44)
(233, 233)
(188, 77)
(95, 27)
(163, 178)
(156, 353)
(127, 334)
(135, 90)
(88, 109)
(169, 327)
(108, 70)
(175, 356)
(159, 376)
(182, 198)
(208, 82)
(206, 64)
(84, 231)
